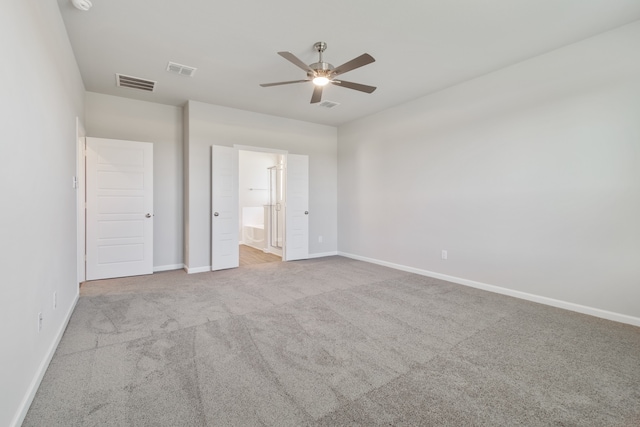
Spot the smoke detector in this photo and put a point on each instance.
(83, 5)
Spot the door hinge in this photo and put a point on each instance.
(85, 257)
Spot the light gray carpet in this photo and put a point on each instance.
(332, 342)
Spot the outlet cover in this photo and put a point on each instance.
(444, 254)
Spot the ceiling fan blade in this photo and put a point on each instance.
(317, 95)
(295, 61)
(358, 62)
(283, 83)
(355, 86)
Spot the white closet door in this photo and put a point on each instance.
(225, 252)
(297, 208)
(119, 184)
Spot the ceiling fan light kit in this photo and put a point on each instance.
(322, 73)
(320, 81)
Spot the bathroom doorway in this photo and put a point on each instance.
(261, 200)
(228, 220)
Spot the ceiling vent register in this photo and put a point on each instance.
(135, 83)
(183, 70)
(328, 104)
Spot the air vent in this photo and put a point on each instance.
(183, 70)
(135, 83)
(328, 104)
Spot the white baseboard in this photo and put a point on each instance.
(604, 314)
(323, 254)
(168, 267)
(42, 369)
(255, 247)
(197, 269)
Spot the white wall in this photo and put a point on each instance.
(528, 176)
(42, 94)
(120, 118)
(214, 125)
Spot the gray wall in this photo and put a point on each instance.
(214, 125)
(42, 94)
(528, 176)
(120, 118)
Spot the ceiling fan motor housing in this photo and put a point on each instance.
(321, 69)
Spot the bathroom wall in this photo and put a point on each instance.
(253, 174)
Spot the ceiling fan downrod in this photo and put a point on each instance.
(320, 68)
(320, 47)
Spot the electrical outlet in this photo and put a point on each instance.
(55, 300)
(39, 322)
(319, 239)
(444, 254)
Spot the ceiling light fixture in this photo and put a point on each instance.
(320, 81)
(82, 4)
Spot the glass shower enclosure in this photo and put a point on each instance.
(276, 207)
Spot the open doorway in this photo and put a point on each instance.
(226, 217)
(261, 200)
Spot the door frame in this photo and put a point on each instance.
(285, 153)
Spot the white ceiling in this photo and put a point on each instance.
(420, 46)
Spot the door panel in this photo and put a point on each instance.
(119, 179)
(224, 208)
(297, 207)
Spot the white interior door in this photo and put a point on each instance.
(119, 185)
(225, 252)
(79, 185)
(296, 242)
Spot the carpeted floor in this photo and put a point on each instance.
(332, 342)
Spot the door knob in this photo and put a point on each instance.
(216, 214)
(148, 215)
(306, 212)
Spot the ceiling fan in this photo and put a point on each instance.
(322, 73)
